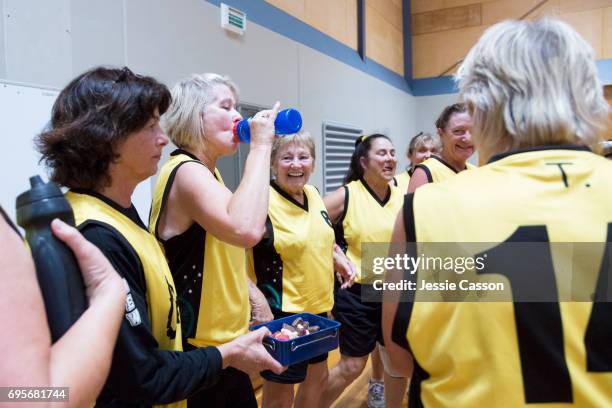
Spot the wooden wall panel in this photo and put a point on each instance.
(571, 6)
(607, 33)
(447, 19)
(350, 38)
(433, 53)
(294, 7)
(496, 11)
(384, 42)
(337, 18)
(327, 16)
(389, 10)
(590, 26)
(421, 6)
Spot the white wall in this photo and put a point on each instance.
(47, 42)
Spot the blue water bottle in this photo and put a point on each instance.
(288, 121)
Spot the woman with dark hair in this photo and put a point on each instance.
(363, 211)
(28, 357)
(421, 147)
(104, 138)
(454, 128)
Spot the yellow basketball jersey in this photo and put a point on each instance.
(437, 169)
(402, 180)
(366, 219)
(161, 293)
(210, 274)
(294, 265)
(521, 354)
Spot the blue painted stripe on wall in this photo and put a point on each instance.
(433, 86)
(282, 23)
(604, 70)
(262, 13)
(446, 84)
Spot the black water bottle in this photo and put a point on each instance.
(59, 276)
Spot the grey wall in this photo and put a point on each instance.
(47, 42)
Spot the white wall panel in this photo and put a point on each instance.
(38, 41)
(97, 34)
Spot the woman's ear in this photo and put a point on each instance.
(202, 124)
(363, 162)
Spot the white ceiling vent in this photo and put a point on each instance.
(233, 19)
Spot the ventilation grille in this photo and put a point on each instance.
(233, 19)
(338, 147)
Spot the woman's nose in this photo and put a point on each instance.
(163, 138)
(237, 116)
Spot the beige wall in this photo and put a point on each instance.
(338, 19)
(445, 30)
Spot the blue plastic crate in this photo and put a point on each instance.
(305, 347)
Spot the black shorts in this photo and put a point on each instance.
(234, 389)
(361, 321)
(295, 373)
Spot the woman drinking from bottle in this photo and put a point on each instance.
(204, 228)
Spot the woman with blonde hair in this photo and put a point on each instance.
(421, 147)
(538, 109)
(205, 228)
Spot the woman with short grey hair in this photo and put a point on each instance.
(538, 110)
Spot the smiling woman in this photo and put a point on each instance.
(294, 263)
(363, 211)
(454, 128)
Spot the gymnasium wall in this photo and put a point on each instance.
(46, 43)
(338, 19)
(443, 31)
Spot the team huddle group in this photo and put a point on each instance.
(211, 263)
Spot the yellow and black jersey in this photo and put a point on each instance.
(148, 367)
(437, 169)
(161, 293)
(365, 219)
(503, 354)
(402, 180)
(293, 265)
(210, 274)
